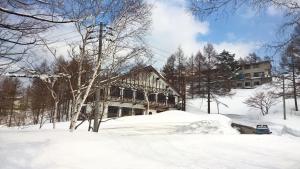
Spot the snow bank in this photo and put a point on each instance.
(169, 122)
(176, 122)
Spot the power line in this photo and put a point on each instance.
(161, 50)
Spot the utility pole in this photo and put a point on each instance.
(192, 79)
(208, 87)
(294, 82)
(184, 92)
(97, 105)
(283, 98)
(208, 93)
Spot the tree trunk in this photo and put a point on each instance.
(294, 84)
(75, 115)
(69, 110)
(147, 101)
(11, 113)
(42, 118)
(97, 111)
(55, 114)
(208, 94)
(78, 104)
(37, 117)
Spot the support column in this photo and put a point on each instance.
(167, 98)
(134, 95)
(176, 99)
(156, 97)
(120, 112)
(121, 92)
(105, 110)
(108, 92)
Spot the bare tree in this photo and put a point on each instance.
(214, 73)
(10, 90)
(129, 21)
(21, 21)
(262, 101)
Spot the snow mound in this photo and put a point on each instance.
(174, 122)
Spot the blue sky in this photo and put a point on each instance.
(243, 27)
(240, 32)
(173, 25)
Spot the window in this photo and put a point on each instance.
(161, 98)
(247, 84)
(139, 95)
(256, 83)
(114, 91)
(256, 66)
(241, 76)
(112, 111)
(247, 67)
(138, 111)
(151, 97)
(126, 111)
(256, 74)
(128, 93)
(247, 75)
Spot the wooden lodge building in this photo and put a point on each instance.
(142, 91)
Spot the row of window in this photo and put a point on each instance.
(248, 84)
(114, 111)
(253, 66)
(249, 75)
(152, 81)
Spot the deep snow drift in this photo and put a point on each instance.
(169, 140)
(169, 122)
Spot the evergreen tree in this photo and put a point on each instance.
(227, 62)
(181, 60)
(175, 67)
(253, 58)
(190, 66)
(175, 72)
(199, 61)
(169, 69)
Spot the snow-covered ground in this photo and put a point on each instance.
(240, 113)
(169, 140)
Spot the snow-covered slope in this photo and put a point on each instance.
(241, 113)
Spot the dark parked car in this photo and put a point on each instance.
(262, 129)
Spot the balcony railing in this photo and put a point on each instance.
(152, 103)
